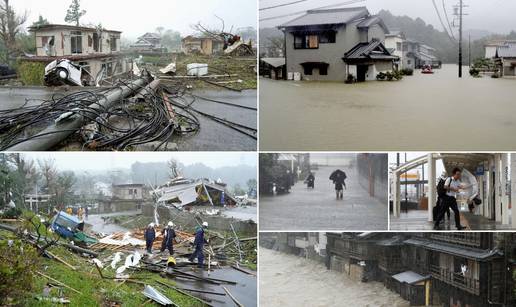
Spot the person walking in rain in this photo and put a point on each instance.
(453, 186)
(150, 236)
(199, 245)
(310, 181)
(338, 177)
(169, 234)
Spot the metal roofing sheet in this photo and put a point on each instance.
(457, 250)
(410, 277)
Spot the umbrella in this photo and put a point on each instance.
(338, 175)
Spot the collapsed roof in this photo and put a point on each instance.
(186, 192)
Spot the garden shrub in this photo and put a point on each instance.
(31, 73)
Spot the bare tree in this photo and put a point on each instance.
(174, 171)
(11, 25)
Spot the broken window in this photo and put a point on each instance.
(310, 41)
(76, 42)
(96, 40)
(327, 37)
(113, 42)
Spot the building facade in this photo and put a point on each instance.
(427, 269)
(93, 49)
(333, 44)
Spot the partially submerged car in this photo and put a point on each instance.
(63, 71)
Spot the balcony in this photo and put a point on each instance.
(468, 284)
(467, 239)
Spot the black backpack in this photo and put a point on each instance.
(441, 191)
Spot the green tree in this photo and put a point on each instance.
(251, 184)
(40, 22)
(74, 13)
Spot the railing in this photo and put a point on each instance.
(469, 239)
(468, 284)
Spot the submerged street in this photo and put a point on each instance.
(287, 280)
(317, 209)
(419, 112)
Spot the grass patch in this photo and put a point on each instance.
(244, 67)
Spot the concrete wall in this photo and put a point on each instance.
(372, 174)
(347, 37)
(187, 220)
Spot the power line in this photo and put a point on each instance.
(459, 13)
(448, 21)
(281, 5)
(304, 11)
(441, 20)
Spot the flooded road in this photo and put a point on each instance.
(99, 225)
(242, 213)
(318, 209)
(423, 112)
(287, 280)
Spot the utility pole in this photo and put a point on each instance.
(459, 13)
(469, 50)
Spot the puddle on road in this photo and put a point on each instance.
(416, 112)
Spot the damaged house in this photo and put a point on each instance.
(334, 44)
(203, 45)
(184, 193)
(96, 51)
(125, 197)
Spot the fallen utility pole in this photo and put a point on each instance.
(57, 132)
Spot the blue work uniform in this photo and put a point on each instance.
(150, 236)
(199, 244)
(168, 239)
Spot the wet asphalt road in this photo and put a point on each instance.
(212, 135)
(318, 209)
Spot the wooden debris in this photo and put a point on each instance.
(58, 282)
(232, 297)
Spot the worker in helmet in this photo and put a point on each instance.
(150, 236)
(199, 244)
(169, 235)
(69, 210)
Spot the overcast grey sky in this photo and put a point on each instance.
(137, 17)
(97, 161)
(497, 16)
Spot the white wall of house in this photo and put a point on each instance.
(63, 42)
(490, 51)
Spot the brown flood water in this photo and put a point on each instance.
(287, 280)
(420, 112)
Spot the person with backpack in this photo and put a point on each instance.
(452, 186)
(441, 193)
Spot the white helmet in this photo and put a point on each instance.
(170, 224)
(151, 225)
(204, 224)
